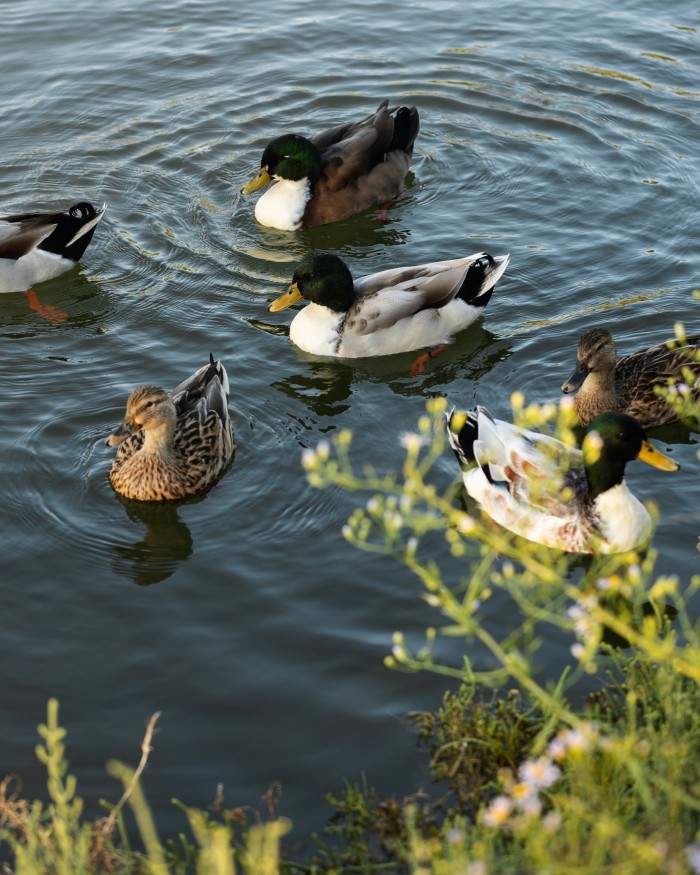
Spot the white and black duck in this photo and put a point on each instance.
(35, 247)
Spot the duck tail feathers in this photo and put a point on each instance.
(463, 432)
(406, 127)
(481, 278)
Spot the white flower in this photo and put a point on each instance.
(455, 836)
(556, 748)
(577, 651)
(308, 459)
(323, 450)
(551, 822)
(540, 773)
(575, 741)
(497, 812)
(478, 867)
(411, 441)
(465, 524)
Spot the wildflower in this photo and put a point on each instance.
(539, 774)
(531, 806)
(455, 836)
(497, 812)
(411, 441)
(373, 505)
(478, 867)
(323, 450)
(551, 822)
(577, 651)
(573, 741)
(399, 652)
(465, 524)
(525, 799)
(308, 459)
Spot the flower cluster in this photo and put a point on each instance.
(522, 801)
(522, 798)
(585, 626)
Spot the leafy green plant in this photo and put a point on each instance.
(611, 787)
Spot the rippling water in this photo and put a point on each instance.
(567, 137)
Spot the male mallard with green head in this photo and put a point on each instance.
(337, 173)
(395, 310)
(543, 490)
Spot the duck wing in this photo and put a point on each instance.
(637, 375)
(206, 391)
(363, 163)
(23, 232)
(385, 298)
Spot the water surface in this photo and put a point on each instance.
(565, 136)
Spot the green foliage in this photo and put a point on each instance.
(55, 838)
(610, 787)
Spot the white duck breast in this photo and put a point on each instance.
(282, 205)
(399, 310)
(35, 247)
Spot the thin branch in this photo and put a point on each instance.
(145, 751)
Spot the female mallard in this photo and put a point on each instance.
(548, 492)
(397, 310)
(627, 385)
(337, 173)
(39, 246)
(172, 446)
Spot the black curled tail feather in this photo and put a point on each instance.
(474, 281)
(406, 127)
(462, 431)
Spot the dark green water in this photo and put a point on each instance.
(565, 136)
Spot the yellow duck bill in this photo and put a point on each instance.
(656, 458)
(286, 300)
(259, 181)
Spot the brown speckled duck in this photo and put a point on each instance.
(605, 383)
(337, 173)
(174, 445)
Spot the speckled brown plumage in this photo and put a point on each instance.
(173, 446)
(627, 385)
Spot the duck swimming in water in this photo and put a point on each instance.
(543, 490)
(337, 173)
(603, 382)
(35, 247)
(395, 310)
(173, 445)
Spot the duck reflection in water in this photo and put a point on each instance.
(327, 383)
(166, 543)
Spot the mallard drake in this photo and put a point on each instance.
(337, 173)
(540, 488)
(627, 385)
(174, 445)
(396, 310)
(39, 246)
